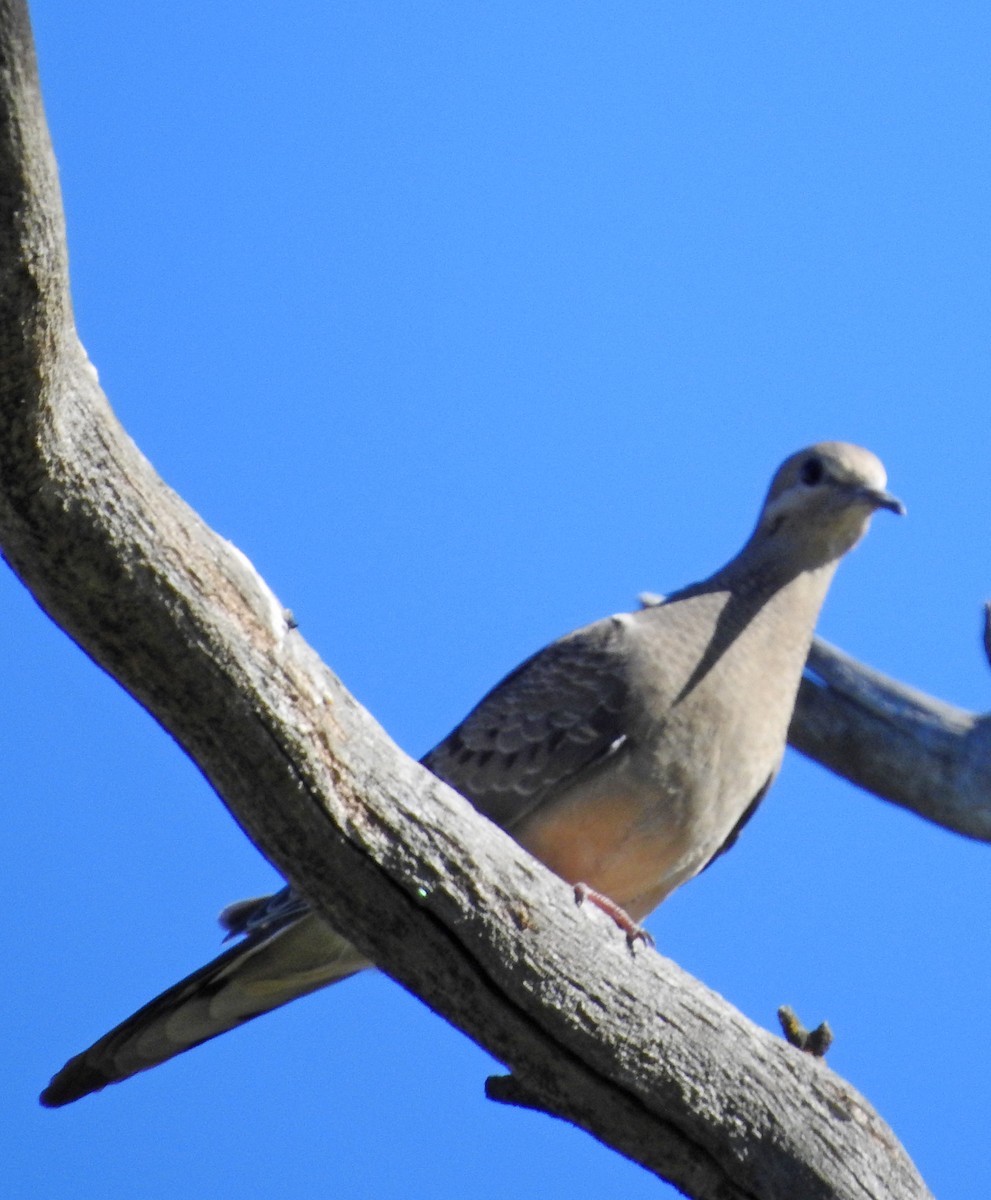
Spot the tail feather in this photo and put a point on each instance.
(268, 969)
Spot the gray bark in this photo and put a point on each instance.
(628, 1047)
(900, 744)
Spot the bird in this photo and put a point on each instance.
(626, 756)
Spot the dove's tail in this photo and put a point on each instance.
(269, 968)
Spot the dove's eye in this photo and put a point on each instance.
(811, 471)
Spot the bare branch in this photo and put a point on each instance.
(628, 1047)
(902, 745)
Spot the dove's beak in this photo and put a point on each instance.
(878, 498)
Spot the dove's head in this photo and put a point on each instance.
(821, 502)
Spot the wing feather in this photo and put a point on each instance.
(557, 715)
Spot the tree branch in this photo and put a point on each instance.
(630, 1048)
(902, 745)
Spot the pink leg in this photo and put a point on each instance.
(634, 932)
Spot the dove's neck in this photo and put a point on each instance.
(769, 615)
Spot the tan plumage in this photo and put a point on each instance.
(625, 756)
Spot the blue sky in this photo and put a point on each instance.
(467, 323)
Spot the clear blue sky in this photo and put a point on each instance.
(466, 323)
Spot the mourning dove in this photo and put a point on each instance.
(625, 756)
